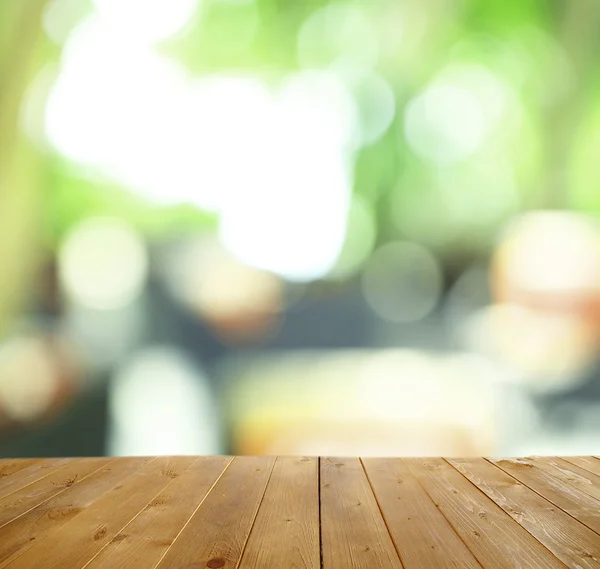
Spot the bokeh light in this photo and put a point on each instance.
(61, 16)
(376, 106)
(103, 264)
(160, 403)
(452, 118)
(151, 21)
(544, 351)
(39, 374)
(402, 282)
(188, 182)
(240, 303)
(306, 183)
(340, 36)
(28, 378)
(550, 253)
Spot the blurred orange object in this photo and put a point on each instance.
(545, 278)
(39, 376)
(550, 261)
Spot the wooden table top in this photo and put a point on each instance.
(294, 512)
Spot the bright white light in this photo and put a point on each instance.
(119, 108)
(289, 215)
(275, 163)
(452, 118)
(103, 264)
(402, 282)
(162, 405)
(338, 35)
(318, 104)
(147, 19)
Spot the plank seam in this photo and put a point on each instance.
(52, 471)
(381, 511)
(193, 514)
(566, 459)
(444, 516)
(523, 528)
(256, 514)
(57, 494)
(320, 516)
(95, 499)
(131, 520)
(567, 482)
(542, 496)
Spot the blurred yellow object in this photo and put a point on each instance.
(391, 402)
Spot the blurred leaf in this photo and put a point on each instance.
(73, 198)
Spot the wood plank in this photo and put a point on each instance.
(588, 463)
(217, 533)
(144, 541)
(572, 542)
(32, 495)
(286, 530)
(80, 539)
(9, 466)
(353, 531)
(570, 499)
(422, 535)
(570, 474)
(31, 474)
(492, 535)
(29, 529)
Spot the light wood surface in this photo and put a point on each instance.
(300, 513)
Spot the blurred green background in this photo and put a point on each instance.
(255, 226)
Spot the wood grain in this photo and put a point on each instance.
(79, 540)
(570, 499)
(572, 542)
(30, 496)
(30, 474)
(300, 513)
(353, 532)
(570, 474)
(9, 466)
(216, 534)
(491, 535)
(144, 541)
(421, 533)
(588, 463)
(31, 528)
(286, 530)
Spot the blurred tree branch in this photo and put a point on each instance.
(20, 32)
